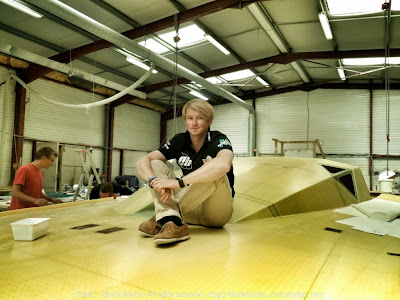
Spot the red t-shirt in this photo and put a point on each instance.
(31, 179)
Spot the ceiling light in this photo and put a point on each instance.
(341, 73)
(262, 81)
(217, 44)
(22, 8)
(323, 18)
(197, 94)
(370, 61)
(138, 63)
(238, 75)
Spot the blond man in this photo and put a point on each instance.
(204, 194)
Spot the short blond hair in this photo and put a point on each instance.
(201, 106)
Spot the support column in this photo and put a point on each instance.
(110, 141)
(121, 162)
(19, 123)
(371, 124)
(163, 129)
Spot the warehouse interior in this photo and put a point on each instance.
(307, 92)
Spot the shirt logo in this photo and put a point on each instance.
(224, 142)
(166, 145)
(185, 162)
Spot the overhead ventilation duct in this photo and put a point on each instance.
(43, 61)
(77, 18)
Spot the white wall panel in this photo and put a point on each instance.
(233, 121)
(98, 159)
(116, 155)
(180, 127)
(136, 128)
(380, 122)
(5, 162)
(27, 152)
(129, 163)
(283, 117)
(47, 121)
(339, 118)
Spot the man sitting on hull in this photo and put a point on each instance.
(204, 194)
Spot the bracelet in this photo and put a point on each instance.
(180, 180)
(150, 180)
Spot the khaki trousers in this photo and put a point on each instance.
(207, 203)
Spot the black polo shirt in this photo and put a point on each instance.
(180, 148)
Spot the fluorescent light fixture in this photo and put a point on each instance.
(22, 8)
(189, 35)
(138, 63)
(197, 94)
(323, 18)
(262, 81)
(341, 73)
(370, 61)
(238, 75)
(217, 44)
(357, 7)
(154, 46)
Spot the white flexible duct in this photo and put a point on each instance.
(77, 18)
(86, 105)
(37, 59)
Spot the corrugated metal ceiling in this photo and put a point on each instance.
(237, 28)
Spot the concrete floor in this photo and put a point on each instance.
(273, 258)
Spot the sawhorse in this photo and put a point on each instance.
(85, 173)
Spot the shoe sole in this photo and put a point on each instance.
(146, 234)
(168, 241)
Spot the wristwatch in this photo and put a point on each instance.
(150, 180)
(180, 180)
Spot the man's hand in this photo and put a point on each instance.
(164, 187)
(56, 200)
(162, 183)
(41, 202)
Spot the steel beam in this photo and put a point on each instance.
(283, 58)
(186, 16)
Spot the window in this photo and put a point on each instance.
(154, 46)
(238, 75)
(357, 7)
(189, 35)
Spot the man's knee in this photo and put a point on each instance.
(157, 163)
(216, 221)
(159, 168)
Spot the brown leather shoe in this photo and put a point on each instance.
(150, 227)
(171, 233)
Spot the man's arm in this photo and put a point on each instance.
(17, 193)
(54, 200)
(143, 164)
(210, 171)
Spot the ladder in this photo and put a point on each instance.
(85, 173)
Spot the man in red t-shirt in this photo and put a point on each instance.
(28, 182)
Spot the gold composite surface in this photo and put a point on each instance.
(289, 257)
